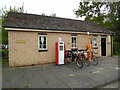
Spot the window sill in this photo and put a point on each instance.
(42, 50)
(95, 47)
(73, 47)
(95, 53)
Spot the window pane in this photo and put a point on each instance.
(94, 39)
(44, 46)
(95, 44)
(72, 39)
(74, 45)
(61, 48)
(45, 38)
(42, 39)
(40, 42)
(41, 46)
(39, 38)
(44, 42)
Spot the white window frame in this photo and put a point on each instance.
(74, 43)
(39, 42)
(96, 41)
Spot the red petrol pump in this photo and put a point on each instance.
(60, 52)
(89, 47)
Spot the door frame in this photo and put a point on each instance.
(101, 44)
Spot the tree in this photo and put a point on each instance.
(4, 12)
(0, 30)
(52, 15)
(105, 13)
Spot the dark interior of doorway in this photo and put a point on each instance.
(103, 46)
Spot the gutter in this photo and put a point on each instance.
(53, 30)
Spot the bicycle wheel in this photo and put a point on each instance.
(94, 60)
(79, 62)
(87, 63)
(69, 59)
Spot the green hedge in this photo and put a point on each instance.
(116, 48)
(4, 53)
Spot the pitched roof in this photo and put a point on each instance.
(32, 21)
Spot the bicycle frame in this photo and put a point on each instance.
(75, 58)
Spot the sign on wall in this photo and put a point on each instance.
(109, 39)
(20, 41)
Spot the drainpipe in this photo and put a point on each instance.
(111, 45)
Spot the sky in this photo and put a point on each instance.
(62, 8)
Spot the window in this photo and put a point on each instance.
(74, 39)
(94, 42)
(42, 42)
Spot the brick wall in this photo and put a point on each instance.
(23, 47)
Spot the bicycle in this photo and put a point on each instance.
(73, 56)
(84, 57)
(94, 60)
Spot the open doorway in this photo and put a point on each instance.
(103, 46)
